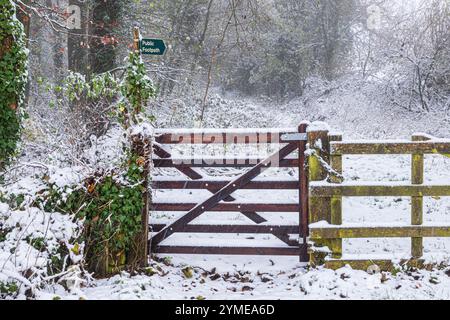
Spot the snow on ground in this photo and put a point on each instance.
(226, 278)
(29, 239)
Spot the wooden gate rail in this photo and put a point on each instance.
(230, 207)
(326, 227)
(213, 201)
(222, 136)
(216, 184)
(221, 199)
(220, 163)
(272, 251)
(211, 228)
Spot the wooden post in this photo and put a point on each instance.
(303, 193)
(319, 208)
(336, 201)
(136, 39)
(138, 257)
(417, 166)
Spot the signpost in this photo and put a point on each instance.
(155, 47)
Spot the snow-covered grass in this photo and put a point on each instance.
(261, 279)
(360, 109)
(34, 246)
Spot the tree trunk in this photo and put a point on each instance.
(102, 52)
(78, 52)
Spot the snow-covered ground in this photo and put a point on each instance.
(259, 279)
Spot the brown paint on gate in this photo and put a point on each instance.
(222, 190)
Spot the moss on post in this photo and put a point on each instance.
(319, 207)
(417, 167)
(335, 245)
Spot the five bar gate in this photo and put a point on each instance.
(221, 199)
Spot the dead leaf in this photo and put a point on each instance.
(91, 188)
(140, 161)
(215, 277)
(188, 272)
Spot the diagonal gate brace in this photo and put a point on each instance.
(222, 194)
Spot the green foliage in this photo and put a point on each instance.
(37, 243)
(99, 87)
(111, 207)
(8, 289)
(13, 78)
(129, 94)
(137, 88)
(3, 233)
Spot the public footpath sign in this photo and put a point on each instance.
(155, 47)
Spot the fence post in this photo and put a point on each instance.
(319, 208)
(336, 201)
(303, 192)
(142, 146)
(417, 165)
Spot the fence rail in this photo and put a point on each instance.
(326, 193)
(388, 190)
(392, 147)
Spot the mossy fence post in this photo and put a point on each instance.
(417, 166)
(319, 208)
(336, 201)
(142, 146)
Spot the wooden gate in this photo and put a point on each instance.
(221, 199)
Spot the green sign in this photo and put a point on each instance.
(155, 47)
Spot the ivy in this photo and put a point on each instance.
(110, 204)
(13, 78)
(102, 86)
(128, 93)
(8, 289)
(137, 87)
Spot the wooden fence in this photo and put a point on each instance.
(327, 189)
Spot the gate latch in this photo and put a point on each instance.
(294, 137)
